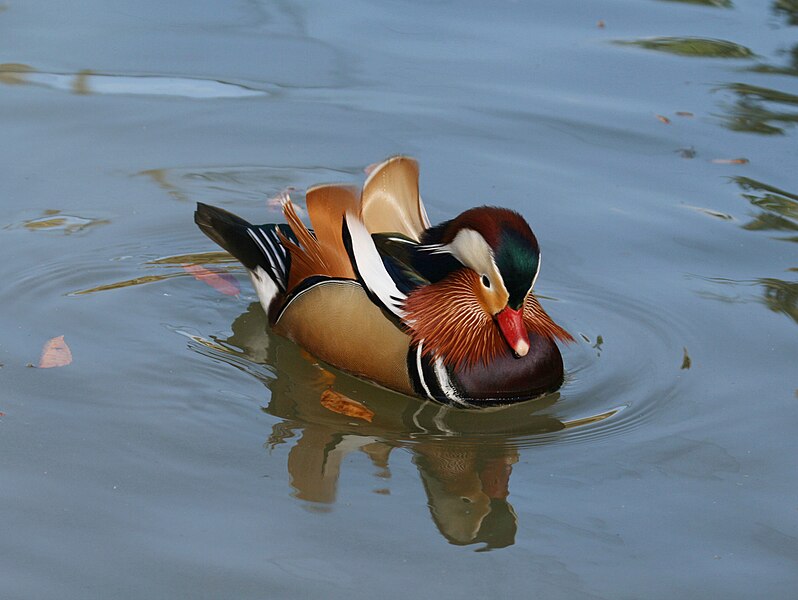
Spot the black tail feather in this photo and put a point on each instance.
(253, 245)
(230, 232)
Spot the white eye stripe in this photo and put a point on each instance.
(471, 249)
(537, 272)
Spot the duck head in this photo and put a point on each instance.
(482, 267)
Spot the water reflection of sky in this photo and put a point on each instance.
(187, 452)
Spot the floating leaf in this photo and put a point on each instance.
(14, 73)
(730, 161)
(686, 361)
(338, 403)
(54, 220)
(597, 346)
(711, 213)
(220, 281)
(46, 223)
(664, 119)
(55, 353)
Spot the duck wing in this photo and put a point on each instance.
(320, 251)
(413, 263)
(390, 266)
(398, 253)
(390, 202)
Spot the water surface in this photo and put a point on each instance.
(187, 452)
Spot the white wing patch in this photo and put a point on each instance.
(265, 287)
(471, 249)
(371, 269)
(537, 272)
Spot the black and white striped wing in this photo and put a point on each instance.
(278, 260)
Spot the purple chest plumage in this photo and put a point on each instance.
(505, 380)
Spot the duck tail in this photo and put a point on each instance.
(257, 247)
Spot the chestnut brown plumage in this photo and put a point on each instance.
(451, 322)
(322, 252)
(445, 313)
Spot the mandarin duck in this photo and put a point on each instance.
(446, 313)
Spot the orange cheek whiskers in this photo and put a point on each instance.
(538, 321)
(452, 323)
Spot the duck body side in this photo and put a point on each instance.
(336, 321)
(444, 313)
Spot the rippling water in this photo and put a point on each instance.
(187, 452)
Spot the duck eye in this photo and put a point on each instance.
(486, 281)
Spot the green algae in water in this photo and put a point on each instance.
(692, 46)
(715, 3)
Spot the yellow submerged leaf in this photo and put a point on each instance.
(338, 403)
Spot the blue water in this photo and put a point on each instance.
(185, 451)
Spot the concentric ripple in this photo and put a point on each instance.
(625, 366)
(630, 356)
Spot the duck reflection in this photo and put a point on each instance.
(467, 490)
(466, 486)
(464, 458)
